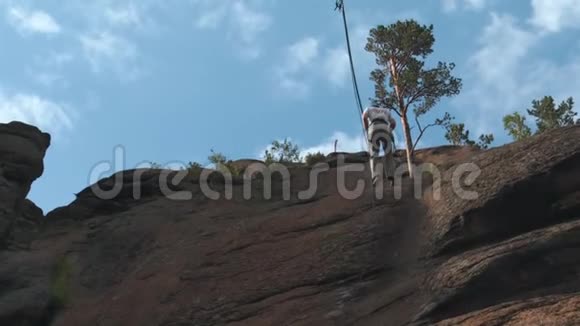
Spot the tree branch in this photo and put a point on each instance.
(397, 112)
(421, 131)
(412, 98)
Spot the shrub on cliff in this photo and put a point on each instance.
(313, 158)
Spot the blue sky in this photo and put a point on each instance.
(169, 80)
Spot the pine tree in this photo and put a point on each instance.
(549, 117)
(515, 124)
(402, 81)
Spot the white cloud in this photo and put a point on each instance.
(107, 45)
(503, 45)
(34, 110)
(336, 65)
(554, 15)
(250, 23)
(57, 58)
(48, 79)
(346, 143)
(297, 88)
(453, 5)
(244, 23)
(301, 54)
(32, 21)
(498, 76)
(507, 76)
(211, 18)
(307, 61)
(104, 49)
(127, 15)
(298, 57)
(123, 16)
(107, 30)
(48, 69)
(449, 5)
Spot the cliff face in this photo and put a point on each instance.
(431, 253)
(22, 150)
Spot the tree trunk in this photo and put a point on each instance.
(404, 120)
(408, 143)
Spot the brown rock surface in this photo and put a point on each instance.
(509, 256)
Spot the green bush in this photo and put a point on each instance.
(232, 169)
(282, 152)
(217, 158)
(194, 169)
(313, 158)
(459, 136)
(60, 283)
(194, 165)
(221, 163)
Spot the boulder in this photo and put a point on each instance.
(22, 150)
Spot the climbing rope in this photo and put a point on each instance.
(340, 6)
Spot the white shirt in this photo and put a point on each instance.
(373, 113)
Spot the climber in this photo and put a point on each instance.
(379, 126)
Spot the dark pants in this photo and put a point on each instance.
(380, 137)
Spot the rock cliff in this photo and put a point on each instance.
(487, 238)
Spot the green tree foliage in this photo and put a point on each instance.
(485, 141)
(313, 158)
(549, 117)
(60, 287)
(217, 158)
(515, 124)
(402, 81)
(458, 135)
(194, 169)
(282, 152)
(194, 165)
(222, 164)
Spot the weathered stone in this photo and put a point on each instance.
(22, 150)
(507, 257)
(27, 225)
